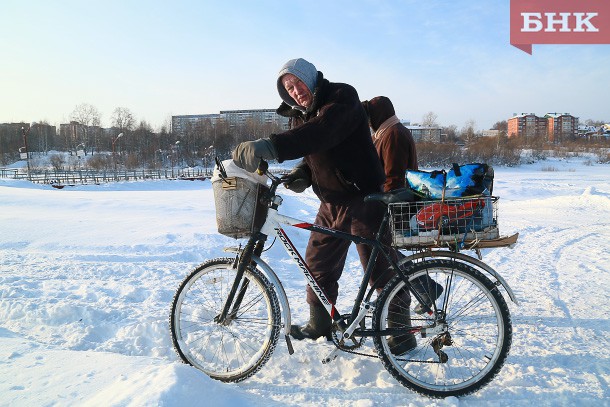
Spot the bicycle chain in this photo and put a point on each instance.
(335, 341)
(377, 356)
(350, 350)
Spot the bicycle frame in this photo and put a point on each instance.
(273, 226)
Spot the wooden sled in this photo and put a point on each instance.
(483, 241)
(503, 241)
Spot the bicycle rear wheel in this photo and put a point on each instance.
(237, 348)
(461, 345)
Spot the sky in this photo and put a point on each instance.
(160, 58)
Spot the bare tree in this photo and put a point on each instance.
(429, 120)
(123, 119)
(595, 123)
(223, 144)
(468, 131)
(501, 125)
(86, 114)
(90, 118)
(451, 132)
(166, 125)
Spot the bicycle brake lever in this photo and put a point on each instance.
(221, 169)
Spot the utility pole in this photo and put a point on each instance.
(113, 154)
(25, 144)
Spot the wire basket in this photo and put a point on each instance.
(442, 223)
(240, 211)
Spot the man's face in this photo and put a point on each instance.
(297, 90)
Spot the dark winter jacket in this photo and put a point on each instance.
(334, 139)
(393, 142)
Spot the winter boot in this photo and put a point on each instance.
(399, 317)
(401, 344)
(319, 325)
(429, 290)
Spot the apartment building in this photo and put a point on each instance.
(181, 123)
(561, 126)
(233, 118)
(40, 136)
(527, 125)
(554, 127)
(259, 116)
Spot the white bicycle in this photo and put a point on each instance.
(228, 313)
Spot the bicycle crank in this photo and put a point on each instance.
(349, 344)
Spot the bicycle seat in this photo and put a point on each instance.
(396, 195)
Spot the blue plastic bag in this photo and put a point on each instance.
(459, 181)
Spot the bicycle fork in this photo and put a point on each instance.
(228, 312)
(244, 258)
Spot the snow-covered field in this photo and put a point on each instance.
(87, 276)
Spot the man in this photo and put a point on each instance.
(329, 129)
(392, 140)
(397, 152)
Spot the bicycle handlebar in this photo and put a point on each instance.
(263, 167)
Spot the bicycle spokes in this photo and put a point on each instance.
(461, 345)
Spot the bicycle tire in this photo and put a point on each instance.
(478, 322)
(237, 349)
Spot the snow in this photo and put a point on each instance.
(88, 273)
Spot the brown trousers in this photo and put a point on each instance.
(326, 255)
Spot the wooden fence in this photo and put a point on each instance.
(60, 178)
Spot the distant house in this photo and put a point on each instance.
(425, 134)
(490, 133)
(594, 133)
(584, 130)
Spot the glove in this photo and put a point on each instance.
(297, 180)
(248, 154)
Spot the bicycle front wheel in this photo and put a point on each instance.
(238, 347)
(455, 348)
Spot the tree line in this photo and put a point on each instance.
(127, 144)
(133, 145)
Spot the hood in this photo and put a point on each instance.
(379, 109)
(302, 69)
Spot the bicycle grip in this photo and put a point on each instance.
(263, 166)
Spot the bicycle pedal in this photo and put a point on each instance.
(332, 356)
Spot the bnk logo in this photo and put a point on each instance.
(559, 22)
(532, 22)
